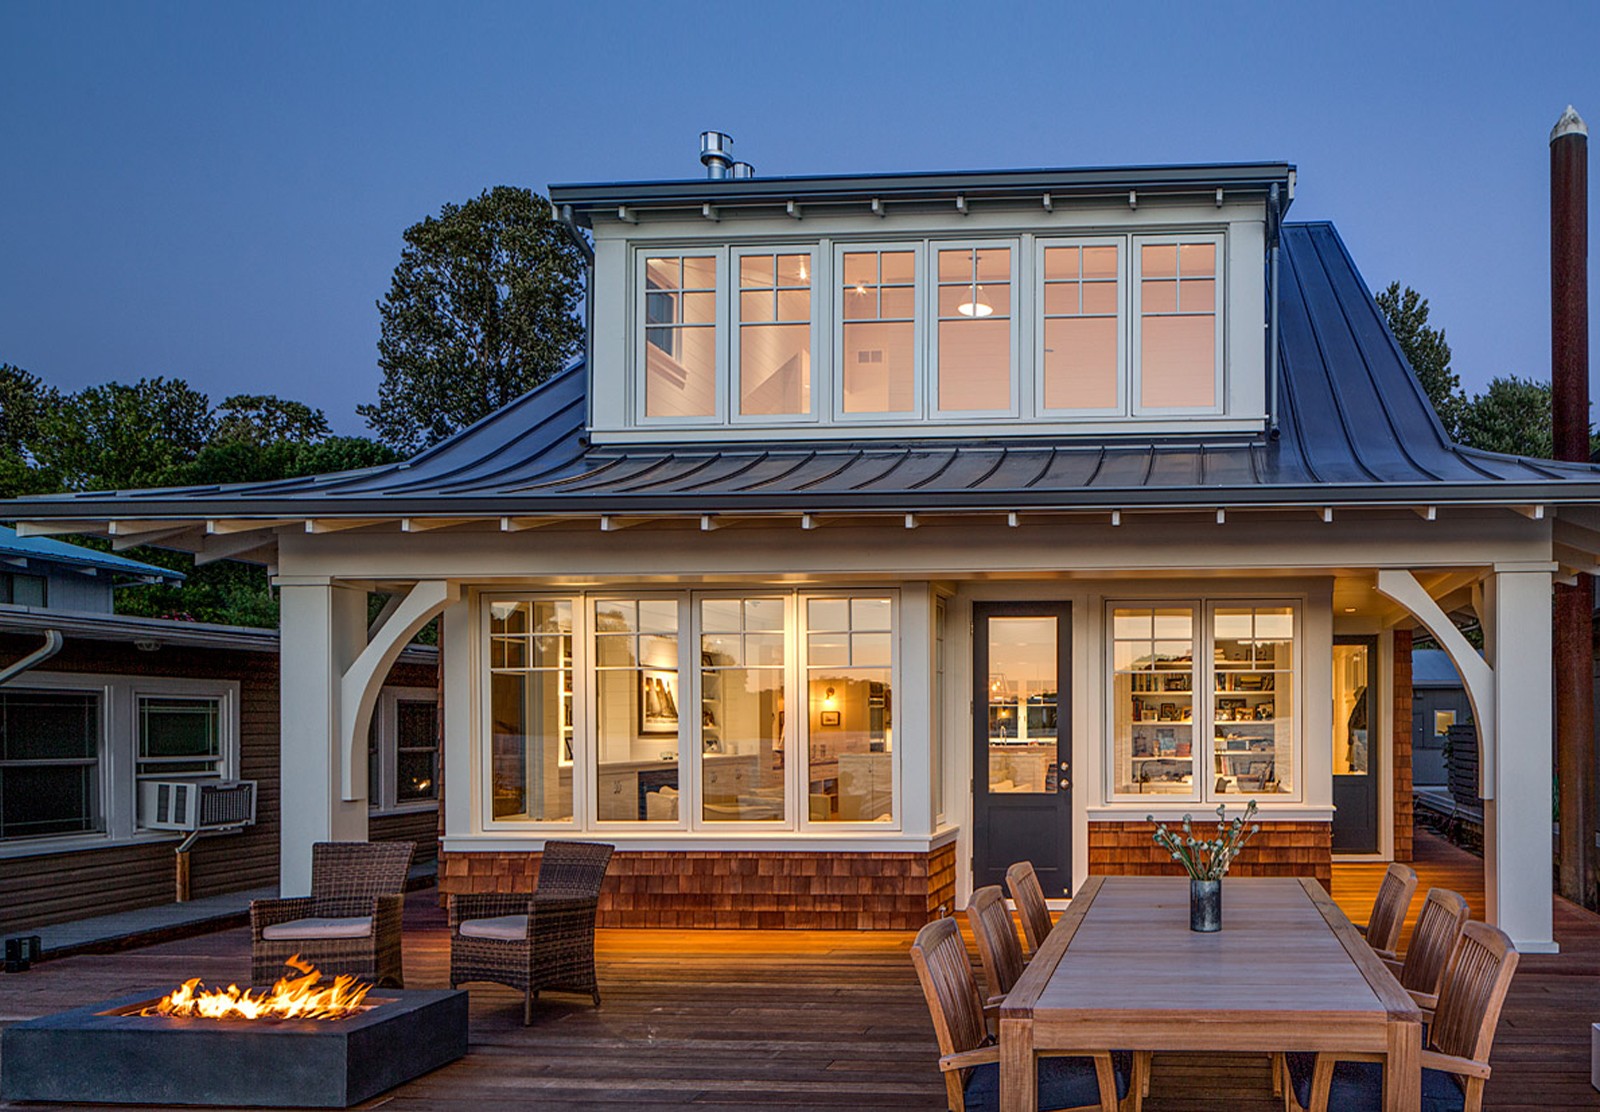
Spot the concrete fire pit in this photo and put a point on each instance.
(107, 1053)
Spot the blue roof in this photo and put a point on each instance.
(46, 550)
(1432, 668)
(1355, 427)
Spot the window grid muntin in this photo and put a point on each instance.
(1042, 316)
(526, 651)
(641, 628)
(781, 285)
(845, 289)
(1134, 302)
(652, 299)
(969, 278)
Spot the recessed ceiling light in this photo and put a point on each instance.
(1349, 609)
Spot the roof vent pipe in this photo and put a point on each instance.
(716, 156)
(743, 170)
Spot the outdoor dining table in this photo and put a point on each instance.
(1121, 970)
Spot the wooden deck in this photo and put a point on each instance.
(825, 1019)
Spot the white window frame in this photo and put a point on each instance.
(807, 825)
(1203, 791)
(100, 762)
(732, 293)
(382, 796)
(691, 825)
(1037, 317)
(119, 752)
(221, 759)
(639, 380)
(930, 307)
(1135, 309)
(920, 340)
(586, 748)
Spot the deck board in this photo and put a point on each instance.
(822, 1019)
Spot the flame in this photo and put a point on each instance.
(302, 997)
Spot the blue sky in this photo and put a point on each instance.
(217, 191)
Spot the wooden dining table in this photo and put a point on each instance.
(1121, 970)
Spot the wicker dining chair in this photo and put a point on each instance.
(1455, 1058)
(970, 1058)
(1433, 943)
(351, 922)
(539, 941)
(1028, 894)
(998, 946)
(1389, 910)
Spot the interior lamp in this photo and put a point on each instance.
(977, 307)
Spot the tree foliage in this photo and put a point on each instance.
(1513, 415)
(120, 437)
(483, 306)
(1426, 350)
(23, 402)
(266, 419)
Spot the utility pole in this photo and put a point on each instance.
(1574, 605)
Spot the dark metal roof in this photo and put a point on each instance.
(1432, 668)
(1356, 428)
(1246, 177)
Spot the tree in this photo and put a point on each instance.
(121, 437)
(1512, 416)
(23, 402)
(266, 419)
(483, 307)
(1427, 352)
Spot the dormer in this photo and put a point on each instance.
(1031, 303)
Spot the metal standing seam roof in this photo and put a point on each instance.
(46, 550)
(1354, 427)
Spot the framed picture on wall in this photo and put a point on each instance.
(829, 717)
(658, 701)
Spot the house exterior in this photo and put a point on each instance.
(92, 704)
(898, 527)
(1438, 702)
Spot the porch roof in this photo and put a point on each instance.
(1355, 428)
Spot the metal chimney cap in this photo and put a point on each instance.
(1570, 123)
(716, 153)
(743, 170)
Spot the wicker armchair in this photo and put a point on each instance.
(537, 942)
(351, 922)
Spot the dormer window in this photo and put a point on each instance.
(936, 336)
(680, 333)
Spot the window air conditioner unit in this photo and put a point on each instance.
(195, 805)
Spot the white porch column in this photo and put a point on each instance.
(322, 630)
(1517, 843)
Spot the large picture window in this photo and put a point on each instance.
(638, 707)
(49, 763)
(692, 710)
(530, 716)
(1203, 699)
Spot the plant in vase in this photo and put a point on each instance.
(1207, 860)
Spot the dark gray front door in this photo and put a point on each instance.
(1355, 745)
(1022, 745)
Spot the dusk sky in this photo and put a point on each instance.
(217, 191)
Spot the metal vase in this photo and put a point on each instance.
(1205, 905)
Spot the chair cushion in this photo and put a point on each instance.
(1358, 1086)
(355, 926)
(1063, 1083)
(506, 928)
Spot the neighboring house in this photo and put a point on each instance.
(107, 701)
(899, 527)
(1438, 701)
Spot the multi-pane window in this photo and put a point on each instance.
(416, 736)
(1253, 699)
(850, 715)
(1153, 673)
(179, 736)
(878, 307)
(638, 707)
(774, 314)
(1081, 365)
(1178, 325)
(742, 709)
(680, 331)
(530, 710)
(49, 763)
(22, 590)
(1202, 703)
(974, 330)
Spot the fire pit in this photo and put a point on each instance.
(299, 1044)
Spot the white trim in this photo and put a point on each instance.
(784, 841)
